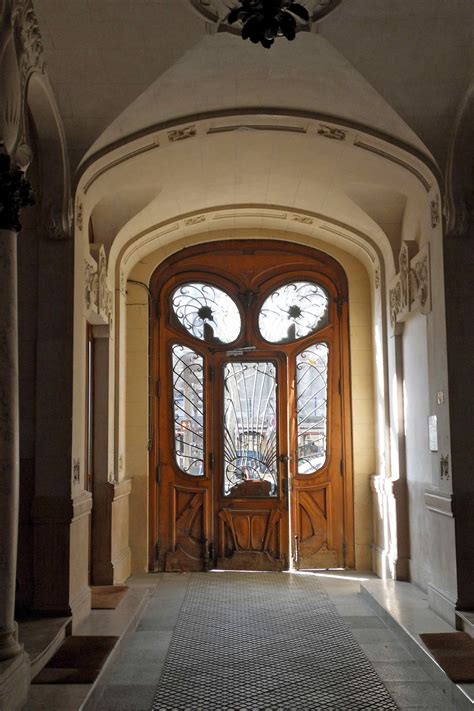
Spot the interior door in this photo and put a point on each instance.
(251, 455)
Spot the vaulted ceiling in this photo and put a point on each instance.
(102, 54)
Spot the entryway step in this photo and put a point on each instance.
(465, 622)
(404, 609)
(42, 637)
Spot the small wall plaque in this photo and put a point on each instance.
(433, 433)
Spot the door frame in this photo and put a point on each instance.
(322, 264)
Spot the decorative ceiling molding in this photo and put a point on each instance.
(313, 119)
(394, 159)
(314, 125)
(215, 12)
(304, 219)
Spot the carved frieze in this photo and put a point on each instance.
(410, 290)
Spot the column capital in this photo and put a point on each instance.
(15, 193)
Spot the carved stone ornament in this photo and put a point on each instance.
(337, 134)
(216, 11)
(79, 209)
(21, 54)
(15, 194)
(435, 212)
(181, 134)
(98, 297)
(377, 277)
(303, 219)
(410, 291)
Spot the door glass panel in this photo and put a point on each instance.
(208, 313)
(188, 403)
(311, 407)
(250, 422)
(293, 311)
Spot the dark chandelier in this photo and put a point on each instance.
(263, 20)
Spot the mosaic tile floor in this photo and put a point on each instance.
(264, 641)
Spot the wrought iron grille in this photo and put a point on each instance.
(312, 407)
(206, 312)
(250, 429)
(293, 311)
(188, 403)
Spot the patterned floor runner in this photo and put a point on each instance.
(248, 641)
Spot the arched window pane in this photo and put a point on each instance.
(208, 313)
(188, 404)
(312, 407)
(293, 311)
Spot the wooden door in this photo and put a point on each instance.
(252, 449)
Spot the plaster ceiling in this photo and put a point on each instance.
(102, 54)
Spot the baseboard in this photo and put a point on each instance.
(80, 606)
(122, 566)
(442, 605)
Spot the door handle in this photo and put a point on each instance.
(284, 458)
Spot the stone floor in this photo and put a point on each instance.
(130, 681)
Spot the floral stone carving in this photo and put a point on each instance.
(410, 290)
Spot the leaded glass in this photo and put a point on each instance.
(250, 435)
(188, 404)
(208, 313)
(311, 407)
(293, 311)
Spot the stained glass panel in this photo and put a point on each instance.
(311, 407)
(250, 434)
(293, 311)
(188, 404)
(208, 313)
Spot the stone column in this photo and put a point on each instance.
(14, 193)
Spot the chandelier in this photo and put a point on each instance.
(262, 21)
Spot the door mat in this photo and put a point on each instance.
(454, 652)
(107, 597)
(78, 661)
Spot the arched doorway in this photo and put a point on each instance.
(252, 446)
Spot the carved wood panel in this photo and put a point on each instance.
(250, 539)
(315, 547)
(189, 539)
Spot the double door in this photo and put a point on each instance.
(250, 453)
